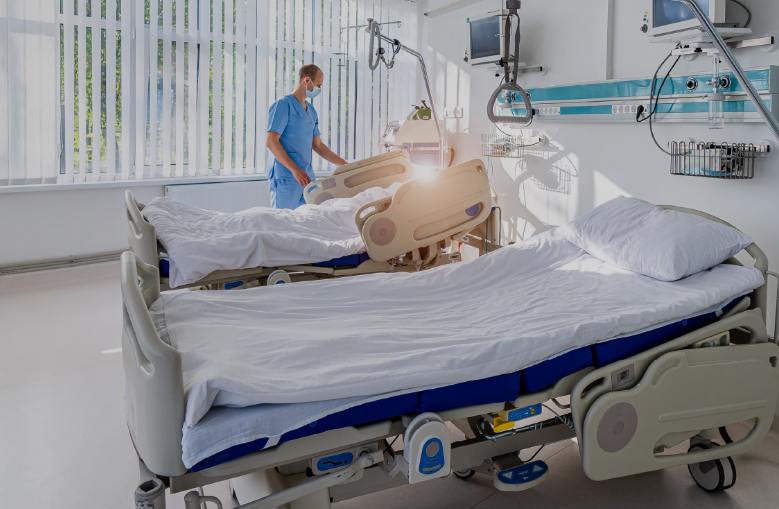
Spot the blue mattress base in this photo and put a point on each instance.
(497, 389)
(344, 261)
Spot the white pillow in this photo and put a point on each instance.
(662, 244)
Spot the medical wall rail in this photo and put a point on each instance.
(618, 101)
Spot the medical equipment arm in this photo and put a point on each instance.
(710, 29)
(426, 211)
(374, 29)
(353, 178)
(153, 373)
(510, 80)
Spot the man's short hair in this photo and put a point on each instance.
(309, 71)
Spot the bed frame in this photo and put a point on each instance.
(425, 217)
(685, 389)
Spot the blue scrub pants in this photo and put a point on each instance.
(286, 193)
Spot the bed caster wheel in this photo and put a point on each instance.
(278, 277)
(465, 474)
(716, 475)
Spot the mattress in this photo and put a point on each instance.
(352, 260)
(382, 335)
(225, 434)
(199, 242)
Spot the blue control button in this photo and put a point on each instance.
(432, 459)
(334, 461)
(473, 211)
(524, 473)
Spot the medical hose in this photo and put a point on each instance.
(657, 99)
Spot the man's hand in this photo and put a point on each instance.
(302, 177)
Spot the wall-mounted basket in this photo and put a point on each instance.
(509, 146)
(716, 160)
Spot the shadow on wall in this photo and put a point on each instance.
(543, 179)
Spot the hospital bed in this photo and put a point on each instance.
(414, 229)
(630, 401)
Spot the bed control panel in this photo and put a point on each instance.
(505, 419)
(337, 460)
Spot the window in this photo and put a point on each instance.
(356, 104)
(181, 88)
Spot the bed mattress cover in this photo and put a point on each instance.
(382, 334)
(199, 242)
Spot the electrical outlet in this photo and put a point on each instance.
(453, 112)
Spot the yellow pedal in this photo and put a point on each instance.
(498, 424)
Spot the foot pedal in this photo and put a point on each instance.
(522, 477)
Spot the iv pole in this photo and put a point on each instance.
(375, 31)
(708, 26)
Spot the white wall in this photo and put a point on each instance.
(601, 160)
(46, 225)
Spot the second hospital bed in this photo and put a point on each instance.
(647, 364)
(411, 229)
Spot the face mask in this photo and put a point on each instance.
(311, 94)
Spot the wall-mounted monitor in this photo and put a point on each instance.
(486, 36)
(670, 16)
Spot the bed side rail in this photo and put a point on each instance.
(346, 181)
(141, 235)
(426, 210)
(153, 373)
(760, 295)
(628, 412)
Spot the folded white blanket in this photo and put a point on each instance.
(380, 333)
(199, 241)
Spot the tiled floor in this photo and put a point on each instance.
(64, 441)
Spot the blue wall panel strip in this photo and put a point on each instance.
(662, 108)
(761, 79)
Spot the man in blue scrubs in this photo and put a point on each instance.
(293, 132)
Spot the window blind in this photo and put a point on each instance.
(28, 92)
(181, 88)
(178, 97)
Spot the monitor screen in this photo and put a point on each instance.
(485, 37)
(668, 12)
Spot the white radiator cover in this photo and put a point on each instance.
(223, 196)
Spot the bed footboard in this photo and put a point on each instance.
(154, 381)
(426, 211)
(141, 235)
(628, 413)
(379, 171)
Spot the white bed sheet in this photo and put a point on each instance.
(200, 242)
(224, 427)
(382, 333)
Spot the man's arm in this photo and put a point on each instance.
(274, 145)
(324, 151)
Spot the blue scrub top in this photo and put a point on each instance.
(298, 127)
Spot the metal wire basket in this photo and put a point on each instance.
(715, 160)
(507, 146)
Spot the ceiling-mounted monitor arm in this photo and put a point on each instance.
(709, 28)
(375, 36)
